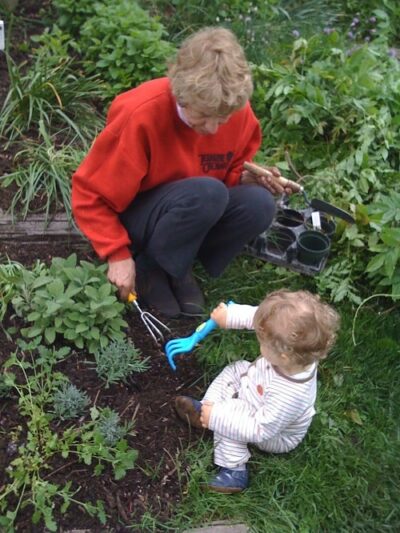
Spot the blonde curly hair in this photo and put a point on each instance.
(297, 324)
(210, 73)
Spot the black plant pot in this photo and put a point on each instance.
(289, 218)
(279, 240)
(312, 247)
(328, 226)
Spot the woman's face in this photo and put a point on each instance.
(202, 124)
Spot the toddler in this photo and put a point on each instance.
(268, 402)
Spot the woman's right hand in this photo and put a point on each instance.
(122, 274)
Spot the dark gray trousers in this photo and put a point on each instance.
(197, 217)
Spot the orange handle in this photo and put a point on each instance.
(132, 297)
(261, 171)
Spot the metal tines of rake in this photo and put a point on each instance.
(154, 326)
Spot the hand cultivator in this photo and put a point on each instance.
(153, 325)
(186, 344)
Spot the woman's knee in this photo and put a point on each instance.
(259, 206)
(208, 197)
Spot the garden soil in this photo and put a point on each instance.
(156, 484)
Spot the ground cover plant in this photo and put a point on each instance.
(88, 436)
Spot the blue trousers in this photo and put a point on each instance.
(196, 218)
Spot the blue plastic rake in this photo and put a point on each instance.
(186, 344)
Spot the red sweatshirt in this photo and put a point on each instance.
(145, 144)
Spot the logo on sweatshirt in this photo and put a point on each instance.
(210, 162)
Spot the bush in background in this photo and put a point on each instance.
(123, 44)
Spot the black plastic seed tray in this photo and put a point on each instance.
(293, 242)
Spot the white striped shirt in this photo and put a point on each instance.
(267, 407)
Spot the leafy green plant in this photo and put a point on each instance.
(10, 272)
(333, 107)
(71, 15)
(384, 242)
(264, 27)
(337, 107)
(124, 45)
(69, 402)
(102, 441)
(5, 386)
(74, 301)
(117, 361)
(338, 281)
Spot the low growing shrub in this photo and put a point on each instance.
(74, 301)
(384, 243)
(69, 402)
(117, 361)
(110, 427)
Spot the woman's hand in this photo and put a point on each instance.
(122, 274)
(268, 182)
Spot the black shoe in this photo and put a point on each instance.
(153, 289)
(189, 295)
(189, 410)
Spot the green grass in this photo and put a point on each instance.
(345, 475)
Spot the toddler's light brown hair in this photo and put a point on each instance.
(298, 324)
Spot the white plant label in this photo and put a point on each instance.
(316, 220)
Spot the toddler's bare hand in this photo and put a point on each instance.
(219, 314)
(206, 413)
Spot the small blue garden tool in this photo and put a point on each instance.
(186, 344)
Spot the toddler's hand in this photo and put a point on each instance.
(206, 413)
(219, 314)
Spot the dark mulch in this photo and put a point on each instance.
(154, 485)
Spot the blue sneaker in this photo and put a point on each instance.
(189, 410)
(229, 481)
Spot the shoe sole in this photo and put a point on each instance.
(221, 490)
